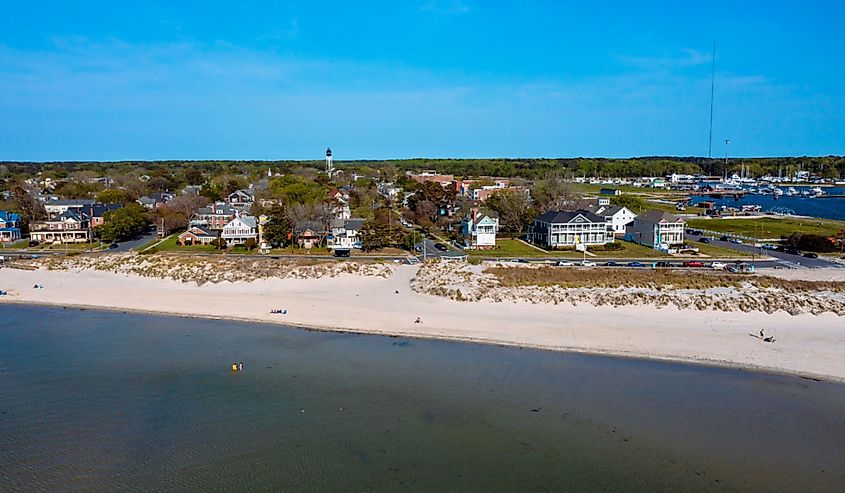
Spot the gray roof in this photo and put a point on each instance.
(656, 216)
(203, 231)
(354, 224)
(70, 202)
(250, 221)
(558, 217)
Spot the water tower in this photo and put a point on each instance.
(329, 166)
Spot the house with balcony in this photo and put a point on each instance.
(216, 216)
(67, 227)
(566, 229)
(479, 228)
(240, 229)
(10, 227)
(241, 199)
(657, 229)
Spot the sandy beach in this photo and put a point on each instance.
(807, 345)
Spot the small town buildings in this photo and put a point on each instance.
(56, 207)
(96, 212)
(155, 200)
(660, 230)
(215, 216)
(479, 228)
(307, 236)
(241, 199)
(197, 235)
(444, 180)
(10, 227)
(562, 229)
(344, 234)
(67, 227)
(240, 229)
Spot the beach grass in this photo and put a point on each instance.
(657, 279)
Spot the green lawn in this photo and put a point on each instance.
(71, 247)
(768, 227)
(506, 247)
(716, 251)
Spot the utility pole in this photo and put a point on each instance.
(712, 90)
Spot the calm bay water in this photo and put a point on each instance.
(98, 401)
(830, 208)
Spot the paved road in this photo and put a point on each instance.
(136, 243)
(782, 257)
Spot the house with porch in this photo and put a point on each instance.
(10, 227)
(564, 229)
(658, 229)
(618, 217)
(479, 228)
(67, 227)
(240, 229)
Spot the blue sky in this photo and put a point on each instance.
(85, 80)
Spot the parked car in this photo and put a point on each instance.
(704, 239)
(418, 248)
(587, 263)
(693, 263)
(636, 264)
(769, 246)
(718, 265)
(33, 243)
(736, 241)
(724, 238)
(662, 264)
(564, 263)
(113, 246)
(792, 251)
(441, 247)
(612, 264)
(811, 255)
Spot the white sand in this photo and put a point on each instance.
(806, 344)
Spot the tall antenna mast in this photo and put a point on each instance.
(712, 88)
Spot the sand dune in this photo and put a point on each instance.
(812, 345)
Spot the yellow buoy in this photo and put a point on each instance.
(234, 367)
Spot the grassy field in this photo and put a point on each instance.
(506, 247)
(70, 247)
(716, 251)
(768, 227)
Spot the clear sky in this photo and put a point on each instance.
(213, 79)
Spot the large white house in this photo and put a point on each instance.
(618, 217)
(561, 229)
(660, 230)
(240, 229)
(479, 229)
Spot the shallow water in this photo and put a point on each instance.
(103, 401)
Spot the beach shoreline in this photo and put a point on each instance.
(807, 346)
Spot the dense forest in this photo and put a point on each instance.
(533, 168)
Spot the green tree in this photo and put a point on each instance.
(124, 223)
(116, 196)
(279, 226)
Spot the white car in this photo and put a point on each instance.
(564, 263)
(718, 265)
(587, 263)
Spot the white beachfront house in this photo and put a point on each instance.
(561, 229)
(240, 229)
(479, 229)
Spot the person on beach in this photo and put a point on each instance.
(241, 366)
(418, 321)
